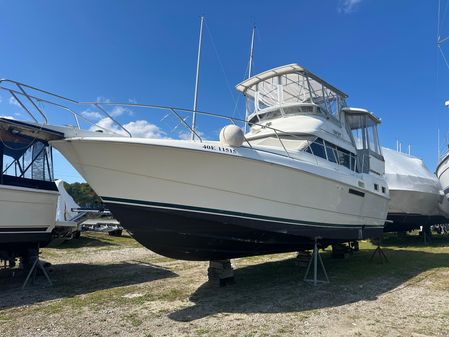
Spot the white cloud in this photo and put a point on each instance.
(348, 6)
(91, 115)
(13, 101)
(120, 110)
(7, 117)
(142, 128)
(187, 135)
(132, 100)
(139, 128)
(117, 110)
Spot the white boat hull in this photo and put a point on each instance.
(185, 200)
(442, 172)
(27, 216)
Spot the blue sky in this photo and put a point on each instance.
(381, 52)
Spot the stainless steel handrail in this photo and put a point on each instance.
(33, 99)
(100, 106)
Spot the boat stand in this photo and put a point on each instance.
(379, 252)
(221, 271)
(33, 271)
(314, 260)
(427, 234)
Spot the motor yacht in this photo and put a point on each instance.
(309, 169)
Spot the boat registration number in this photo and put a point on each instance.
(219, 148)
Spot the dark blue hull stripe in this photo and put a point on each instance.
(231, 213)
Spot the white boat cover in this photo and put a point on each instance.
(65, 203)
(404, 172)
(413, 188)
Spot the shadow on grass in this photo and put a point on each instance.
(413, 240)
(83, 241)
(277, 287)
(92, 239)
(75, 279)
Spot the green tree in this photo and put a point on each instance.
(83, 194)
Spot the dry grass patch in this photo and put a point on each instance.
(107, 286)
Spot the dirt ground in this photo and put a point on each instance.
(105, 286)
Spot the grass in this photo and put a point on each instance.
(176, 291)
(134, 320)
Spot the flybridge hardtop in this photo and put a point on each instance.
(310, 168)
(279, 71)
(293, 85)
(290, 85)
(295, 100)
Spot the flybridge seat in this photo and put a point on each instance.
(290, 89)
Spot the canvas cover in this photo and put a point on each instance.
(65, 204)
(404, 172)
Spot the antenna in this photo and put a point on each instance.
(438, 158)
(409, 149)
(397, 145)
(197, 78)
(250, 68)
(251, 53)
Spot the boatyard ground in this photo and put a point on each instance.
(106, 286)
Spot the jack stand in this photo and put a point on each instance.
(427, 234)
(33, 272)
(221, 271)
(380, 252)
(315, 257)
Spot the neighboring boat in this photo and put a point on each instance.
(442, 172)
(68, 218)
(298, 176)
(28, 194)
(416, 193)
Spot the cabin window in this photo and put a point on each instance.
(330, 151)
(28, 161)
(376, 187)
(364, 132)
(353, 162)
(318, 148)
(384, 190)
(344, 158)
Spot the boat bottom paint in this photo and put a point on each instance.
(403, 222)
(201, 236)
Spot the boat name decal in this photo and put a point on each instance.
(219, 148)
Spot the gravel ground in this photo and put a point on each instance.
(105, 286)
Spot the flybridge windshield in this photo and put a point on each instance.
(294, 88)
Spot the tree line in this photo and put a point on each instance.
(83, 195)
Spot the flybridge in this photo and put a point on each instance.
(290, 85)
